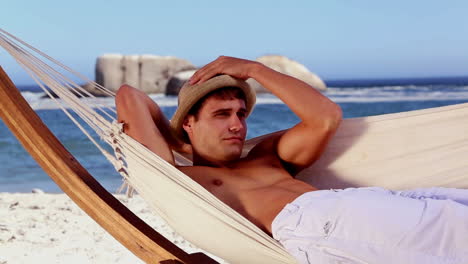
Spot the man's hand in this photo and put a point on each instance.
(235, 67)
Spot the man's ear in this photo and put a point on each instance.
(187, 125)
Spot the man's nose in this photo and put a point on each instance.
(236, 124)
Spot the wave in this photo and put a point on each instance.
(398, 93)
(338, 95)
(32, 96)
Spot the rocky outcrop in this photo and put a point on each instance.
(157, 70)
(278, 63)
(289, 67)
(166, 74)
(148, 73)
(109, 71)
(131, 70)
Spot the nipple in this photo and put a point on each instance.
(217, 182)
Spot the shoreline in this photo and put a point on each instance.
(52, 228)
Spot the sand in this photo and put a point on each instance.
(50, 228)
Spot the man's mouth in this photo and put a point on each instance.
(234, 139)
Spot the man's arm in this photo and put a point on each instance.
(301, 145)
(144, 121)
(320, 117)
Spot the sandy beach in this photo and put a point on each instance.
(50, 228)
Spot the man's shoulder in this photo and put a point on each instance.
(266, 146)
(266, 151)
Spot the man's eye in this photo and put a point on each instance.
(222, 114)
(241, 114)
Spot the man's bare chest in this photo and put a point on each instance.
(240, 176)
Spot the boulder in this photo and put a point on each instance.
(176, 82)
(148, 73)
(109, 71)
(157, 70)
(289, 67)
(94, 90)
(89, 87)
(131, 70)
(166, 74)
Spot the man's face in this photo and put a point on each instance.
(218, 132)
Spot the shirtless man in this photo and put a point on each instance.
(260, 185)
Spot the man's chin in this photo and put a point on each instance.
(233, 154)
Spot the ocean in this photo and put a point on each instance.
(20, 173)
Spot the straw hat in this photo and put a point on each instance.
(189, 95)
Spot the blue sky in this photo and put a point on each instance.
(337, 39)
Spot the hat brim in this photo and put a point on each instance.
(189, 95)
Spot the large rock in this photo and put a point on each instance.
(165, 74)
(289, 67)
(94, 90)
(109, 71)
(131, 70)
(148, 73)
(176, 82)
(157, 70)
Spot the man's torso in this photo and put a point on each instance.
(257, 186)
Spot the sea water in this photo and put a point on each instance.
(20, 173)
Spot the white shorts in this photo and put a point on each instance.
(375, 225)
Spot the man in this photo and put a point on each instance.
(210, 123)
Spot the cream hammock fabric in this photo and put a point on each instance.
(398, 151)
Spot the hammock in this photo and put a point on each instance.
(397, 151)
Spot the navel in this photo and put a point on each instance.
(217, 182)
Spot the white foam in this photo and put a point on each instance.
(396, 93)
(31, 96)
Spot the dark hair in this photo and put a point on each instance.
(225, 93)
